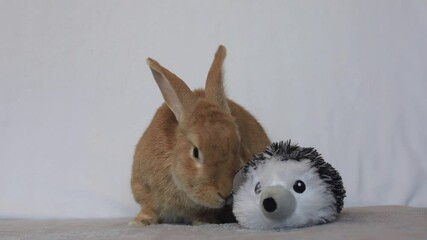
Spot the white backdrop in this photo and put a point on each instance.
(346, 77)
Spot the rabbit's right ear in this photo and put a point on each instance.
(214, 88)
(176, 93)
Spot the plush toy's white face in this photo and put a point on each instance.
(282, 194)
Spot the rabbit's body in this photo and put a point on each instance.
(185, 161)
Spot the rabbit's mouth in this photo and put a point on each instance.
(228, 199)
(210, 199)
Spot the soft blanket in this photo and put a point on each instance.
(379, 222)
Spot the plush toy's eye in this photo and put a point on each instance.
(299, 186)
(257, 188)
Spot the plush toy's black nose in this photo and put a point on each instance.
(277, 203)
(269, 204)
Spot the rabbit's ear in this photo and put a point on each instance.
(176, 93)
(214, 88)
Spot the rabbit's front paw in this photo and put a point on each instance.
(143, 219)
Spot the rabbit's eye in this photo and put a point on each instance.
(195, 152)
(197, 156)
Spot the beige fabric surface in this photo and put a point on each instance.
(379, 222)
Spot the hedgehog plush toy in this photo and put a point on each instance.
(287, 186)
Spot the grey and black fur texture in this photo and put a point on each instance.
(287, 186)
(286, 150)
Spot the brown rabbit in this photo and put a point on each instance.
(185, 161)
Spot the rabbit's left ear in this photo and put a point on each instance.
(214, 87)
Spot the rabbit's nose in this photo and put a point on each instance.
(225, 188)
(224, 197)
(227, 199)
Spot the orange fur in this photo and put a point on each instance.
(168, 182)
